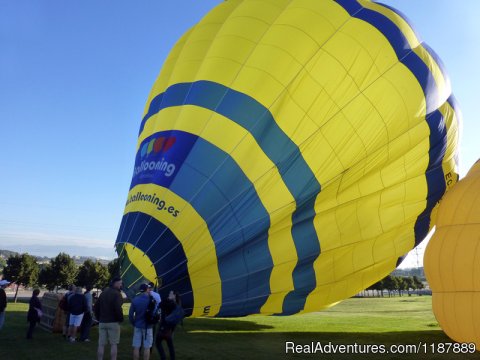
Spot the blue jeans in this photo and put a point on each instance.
(2, 319)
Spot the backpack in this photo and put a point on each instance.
(152, 314)
(175, 316)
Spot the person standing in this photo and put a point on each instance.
(77, 305)
(167, 328)
(88, 316)
(3, 301)
(64, 306)
(34, 313)
(155, 294)
(108, 312)
(158, 300)
(142, 330)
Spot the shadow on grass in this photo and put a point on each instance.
(223, 339)
(200, 343)
(222, 325)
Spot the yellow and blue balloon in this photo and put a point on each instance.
(290, 154)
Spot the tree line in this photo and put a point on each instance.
(397, 284)
(61, 271)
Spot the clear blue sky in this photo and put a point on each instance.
(74, 78)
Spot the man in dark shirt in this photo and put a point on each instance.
(77, 305)
(109, 313)
(3, 302)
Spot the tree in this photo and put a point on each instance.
(103, 276)
(418, 283)
(390, 284)
(64, 269)
(378, 287)
(22, 270)
(114, 268)
(401, 284)
(3, 263)
(47, 277)
(87, 274)
(410, 284)
(92, 273)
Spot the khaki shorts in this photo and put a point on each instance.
(108, 333)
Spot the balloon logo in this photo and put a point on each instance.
(452, 261)
(313, 140)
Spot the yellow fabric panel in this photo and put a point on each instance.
(462, 326)
(309, 16)
(362, 135)
(463, 206)
(452, 260)
(141, 261)
(367, 215)
(362, 50)
(327, 295)
(199, 249)
(265, 80)
(193, 55)
(242, 147)
(182, 66)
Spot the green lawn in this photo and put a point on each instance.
(387, 321)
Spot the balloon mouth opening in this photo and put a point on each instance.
(136, 268)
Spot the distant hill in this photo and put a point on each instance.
(79, 260)
(7, 253)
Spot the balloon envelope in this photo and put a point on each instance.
(452, 261)
(289, 154)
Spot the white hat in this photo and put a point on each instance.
(4, 282)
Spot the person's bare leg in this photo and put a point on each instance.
(100, 352)
(113, 352)
(71, 331)
(73, 334)
(146, 354)
(136, 353)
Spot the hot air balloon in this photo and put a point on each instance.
(452, 261)
(290, 153)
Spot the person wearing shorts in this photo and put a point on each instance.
(108, 312)
(108, 333)
(77, 305)
(66, 325)
(142, 332)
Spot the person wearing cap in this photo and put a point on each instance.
(142, 332)
(108, 312)
(3, 301)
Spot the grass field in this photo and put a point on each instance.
(386, 321)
